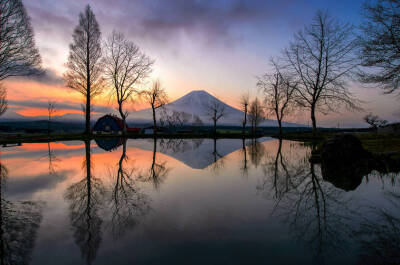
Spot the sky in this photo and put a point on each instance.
(220, 46)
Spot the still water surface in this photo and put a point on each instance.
(189, 202)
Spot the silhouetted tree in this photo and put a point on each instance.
(157, 172)
(84, 73)
(214, 110)
(244, 169)
(3, 100)
(256, 152)
(218, 159)
(380, 44)
(157, 97)
(125, 67)
(374, 121)
(86, 200)
(52, 158)
(174, 119)
(322, 58)
(256, 115)
(197, 121)
(51, 110)
(279, 92)
(244, 103)
(18, 53)
(128, 203)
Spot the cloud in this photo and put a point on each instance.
(159, 19)
(19, 104)
(48, 77)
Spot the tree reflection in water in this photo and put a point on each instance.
(179, 145)
(380, 233)
(315, 212)
(281, 171)
(86, 200)
(218, 159)
(128, 203)
(53, 159)
(256, 152)
(19, 222)
(244, 169)
(157, 172)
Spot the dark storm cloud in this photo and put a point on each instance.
(212, 19)
(45, 76)
(48, 77)
(159, 19)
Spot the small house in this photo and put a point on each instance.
(111, 124)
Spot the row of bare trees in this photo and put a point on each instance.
(314, 71)
(118, 64)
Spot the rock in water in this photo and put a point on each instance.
(344, 161)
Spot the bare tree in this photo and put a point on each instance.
(322, 57)
(18, 53)
(84, 72)
(380, 44)
(3, 100)
(51, 110)
(279, 91)
(256, 114)
(157, 97)
(244, 103)
(374, 121)
(197, 121)
(125, 67)
(215, 110)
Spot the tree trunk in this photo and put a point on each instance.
(215, 127)
(87, 127)
(280, 129)
(313, 120)
(124, 129)
(245, 120)
(154, 121)
(88, 171)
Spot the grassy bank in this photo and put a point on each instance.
(377, 143)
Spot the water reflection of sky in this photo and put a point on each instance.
(191, 201)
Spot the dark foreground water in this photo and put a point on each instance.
(190, 202)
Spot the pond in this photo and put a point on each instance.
(190, 202)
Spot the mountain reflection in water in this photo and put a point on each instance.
(193, 201)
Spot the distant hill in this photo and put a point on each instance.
(193, 103)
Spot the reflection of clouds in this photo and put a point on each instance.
(33, 184)
(380, 233)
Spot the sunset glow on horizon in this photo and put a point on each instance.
(220, 47)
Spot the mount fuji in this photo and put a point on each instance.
(195, 104)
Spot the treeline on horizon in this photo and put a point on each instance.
(311, 73)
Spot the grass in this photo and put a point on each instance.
(377, 143)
